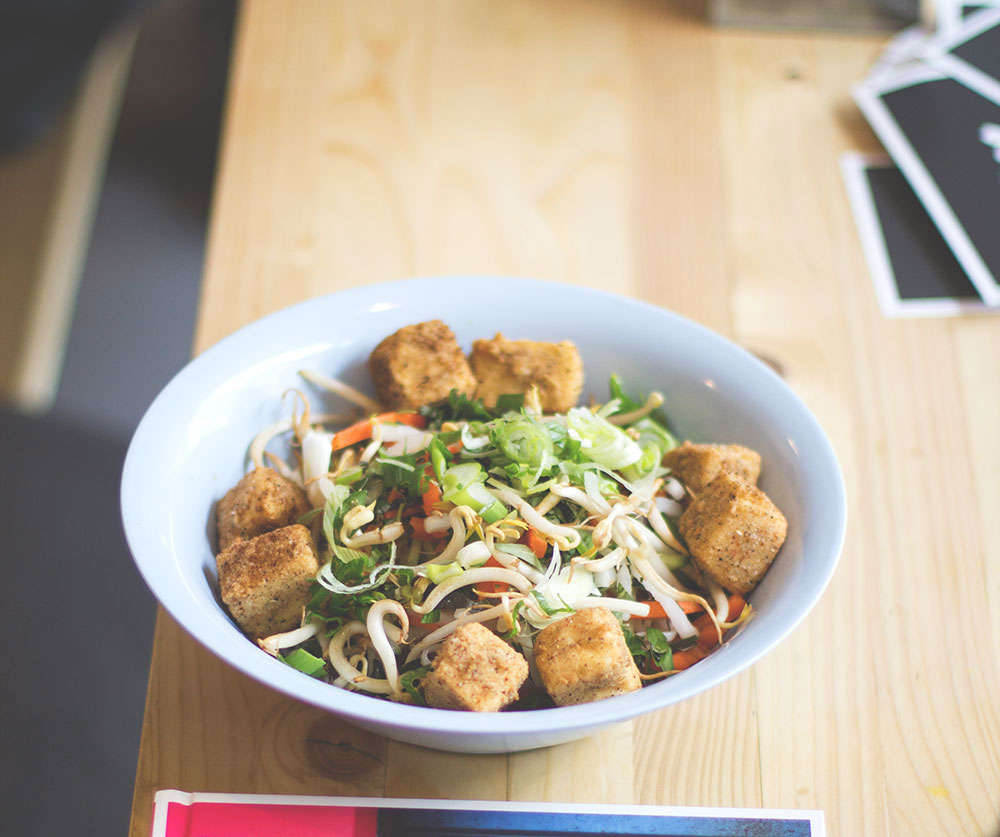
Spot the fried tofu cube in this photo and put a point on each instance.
(584, 657)
(476, 671)
(503, 367)
(263, 500)
(265, 581)
(697, 465)
(733, 531)
(419, 364)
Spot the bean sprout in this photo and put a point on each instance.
(360, 516)
(459, 518)
(288, 639)
(550, 502)
(611, 561)
(380, 642)
(369, 452)
(343, 667)
(511, 562)
(565, 536)
(367, 404)
(659, 525)
(655, 400)
(497, 574)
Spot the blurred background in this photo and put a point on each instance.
(109, 122)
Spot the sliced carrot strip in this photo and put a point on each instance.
(363, 429)
(686, 659)
(656, 610)
(493, 586)
(431, 497)
(420, 532)
(533, 539)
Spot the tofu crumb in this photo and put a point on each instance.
(260, 502)
(503, 366)
(697, 465)
(265, 581)
(584, 657)
(419, 364)
(733, 531)
(475, 670)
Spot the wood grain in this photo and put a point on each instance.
(419, 139)
(818, 743)
(625, 145)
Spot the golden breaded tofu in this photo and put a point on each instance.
(419, 364)
(697, 465)
(475, 670)
(733, 531)
(584, 657)
(263, 500)
(503, 366)
(265, 580)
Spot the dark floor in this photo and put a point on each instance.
(73, 688)
(138, 296)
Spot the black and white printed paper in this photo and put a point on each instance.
(913, 271)
(935, 105)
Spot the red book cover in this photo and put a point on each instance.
(180, 814)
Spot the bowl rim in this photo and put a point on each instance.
(361, 707)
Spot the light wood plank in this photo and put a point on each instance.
(231, 734)
(423, 773)
(910, 570)
(677, 185)
(701, 752)
(788, 307)
(597, 767)
(467, 137)
(977, 344)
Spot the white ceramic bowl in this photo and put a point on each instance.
(191, 447)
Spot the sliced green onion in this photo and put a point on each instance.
(525, 441)
(462, 476)
(396, 463)
(648, 462)
(475, 436)
(439, 457)
(345, 555)
(673, 560)
(350, 476)
(601, 441)
(442, 572)
(652, 432)
(493, 513)
(475, 496)
(305, 662)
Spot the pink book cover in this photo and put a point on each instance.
(180, 814)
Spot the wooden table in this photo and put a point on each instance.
(625, 145)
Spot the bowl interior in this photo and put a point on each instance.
(191, 447)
